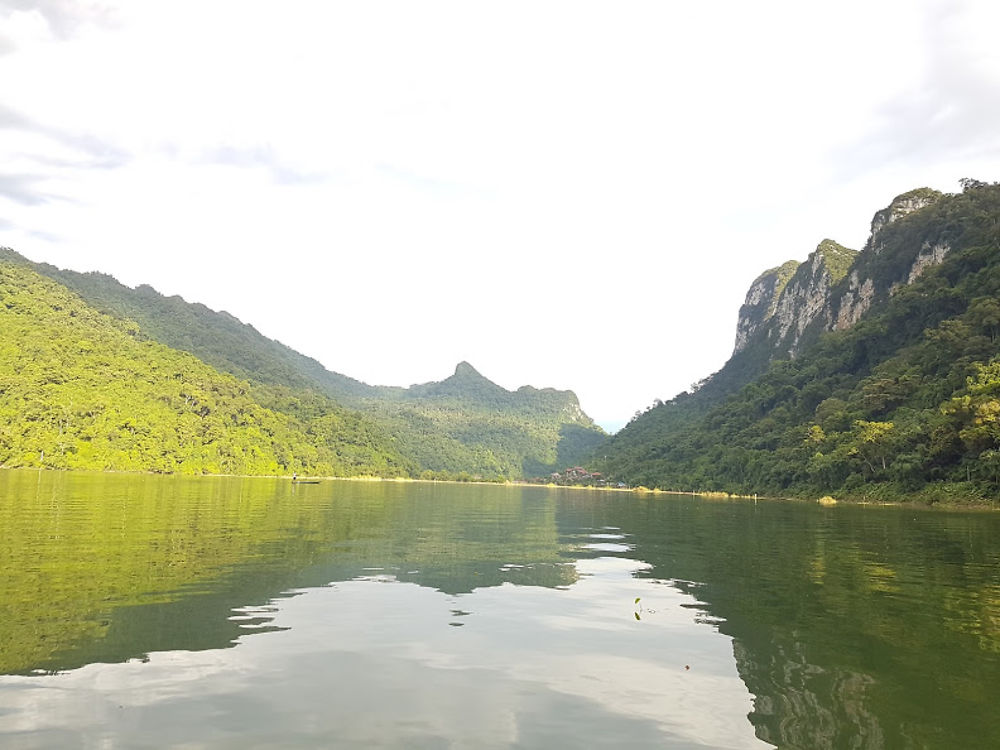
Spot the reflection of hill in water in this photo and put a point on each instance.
(853, 627)
(112, 567)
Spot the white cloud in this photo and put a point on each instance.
(566, 194)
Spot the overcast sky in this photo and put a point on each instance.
(567, 194)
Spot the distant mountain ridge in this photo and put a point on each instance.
(463, 426)
(863, 374)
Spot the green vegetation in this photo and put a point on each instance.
(137, 563)
(904, 404)
(79, 389)
(216, 338)
(467, 423)
(838, 259)
(311, 420)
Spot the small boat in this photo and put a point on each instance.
(305, 481)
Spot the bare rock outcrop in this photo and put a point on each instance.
(787, 307)
(761, 301)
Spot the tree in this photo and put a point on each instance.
(872, 442)
(968, 184)
(984, 315)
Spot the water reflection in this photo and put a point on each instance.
(367, 663)
(852, 627)
(383, 613)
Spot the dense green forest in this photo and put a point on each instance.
(466, 420)
(79, 389)
(302, 417)
(216, 338)
(903, 403)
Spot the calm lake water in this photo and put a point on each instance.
(162, 612)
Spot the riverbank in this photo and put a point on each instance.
(945, 497)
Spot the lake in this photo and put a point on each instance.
(150, 612)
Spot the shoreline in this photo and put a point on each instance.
(973, 504)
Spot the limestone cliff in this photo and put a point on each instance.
(835, 286)
(901, 206)
(761, 301)
(785, 301)
(806, 298)
(875, 274)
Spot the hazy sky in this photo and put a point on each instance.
(568, 194)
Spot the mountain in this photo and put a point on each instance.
(784, 302)
(83, 390)
(467, 419)
(871, 374)
(836, 285)
(216, 338)
(464, 384)
(464, 426)
(762, 301)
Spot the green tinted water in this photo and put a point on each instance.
(162, 611)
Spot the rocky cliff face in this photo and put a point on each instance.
(761, 301)
(785, 301)
(835, 286)
(866, 281)
(806, 299)
(902, 205)
(855, 300)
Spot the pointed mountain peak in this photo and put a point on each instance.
(466, 382)
(464, 370)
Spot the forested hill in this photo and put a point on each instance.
(464, 426)
(871, 374)
(216, 338)
(524, 433)
(82, 390)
